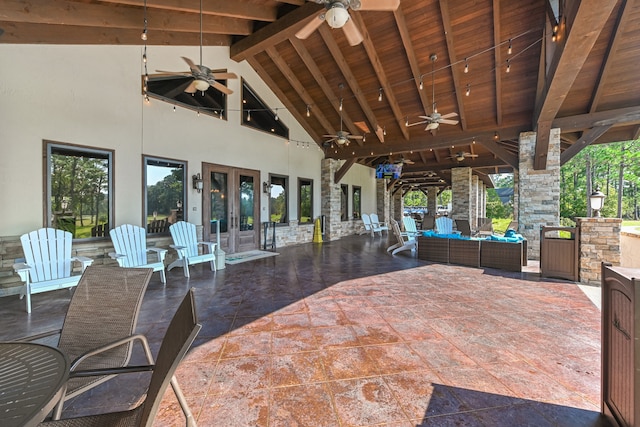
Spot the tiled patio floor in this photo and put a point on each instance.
(343, 334)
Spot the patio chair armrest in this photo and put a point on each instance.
(161, 252)
(116, 256)
(110, 371)
(39, 336)
(111, 345)
(211, 246)
(22, 270)
(83, 260)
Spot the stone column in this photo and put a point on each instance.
(398, 206)
(516, 195)
(383, 204)
(599, 241)
(539, 190)
(432, 200)
(475, 201)
(330, 196)
(461, 193)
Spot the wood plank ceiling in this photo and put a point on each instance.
(504, 67)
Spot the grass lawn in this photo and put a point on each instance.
(634, 224)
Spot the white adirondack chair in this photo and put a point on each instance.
(130, 244)
(444, 225)
(404, 241)
(410, 227)
(368, 227)
(375, 223)
(186, 244)
(47, 262)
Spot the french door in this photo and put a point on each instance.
(231, 204)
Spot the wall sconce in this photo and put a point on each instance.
(596, 200)
(198, 184)
(266, 187)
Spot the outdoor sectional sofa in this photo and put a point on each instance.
(453, 249)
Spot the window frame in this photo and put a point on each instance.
(344, 197)
(356, 214)
(301, 182)
(145, 213)
(286, 198)
(50, 148)
(261, 112)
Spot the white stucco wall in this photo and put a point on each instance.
(91, 96)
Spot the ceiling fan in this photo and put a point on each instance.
(341, 137)
(461, 155)
(434, 120)
(337, 16)
(203, 77)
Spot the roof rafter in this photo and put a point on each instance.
(385, 84)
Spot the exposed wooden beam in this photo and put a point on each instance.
(587, 138)
(497, 56)
(351, 80)
(428, 143)
(621, 116)
(510, 158)
(286, 71)
(455, 73)
(274, 33)
(471, 163)
(26, 33)
(231, 9)
(587, 23)
(411, 56)
(308, 60)
(340, 173)
(281, 96)
(385, 84)
(612, 48)
(106, 16)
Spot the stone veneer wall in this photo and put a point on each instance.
(461, 193)
(516, 195)
(475, 201)
(383, 203)
(334, 227)
(599, 241)
(398, 206)
(432, 200)
(539, 190)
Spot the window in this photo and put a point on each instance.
(171, 89)
(278, 199)
(344, 197)
(165, 195)
(256, 114)
(305, 200)
(79, 189)
(355, 202)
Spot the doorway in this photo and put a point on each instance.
(231, 202)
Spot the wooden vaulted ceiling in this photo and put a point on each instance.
(573, 65)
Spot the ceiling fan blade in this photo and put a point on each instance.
(471, 155)
(417, 123)
(355, 137)
(329, 136)
(190, 63)
(448, 122)
(191, 88)
(426, 117)
(448, 116)
(379, 5)
(223, 76)
(173, 73)
(310, 27)
(222, 88)
(354, 37)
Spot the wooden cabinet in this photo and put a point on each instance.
(621, 345)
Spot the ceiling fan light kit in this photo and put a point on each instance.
(337, 15)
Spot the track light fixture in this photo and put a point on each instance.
(466, 65)
(380, 95)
